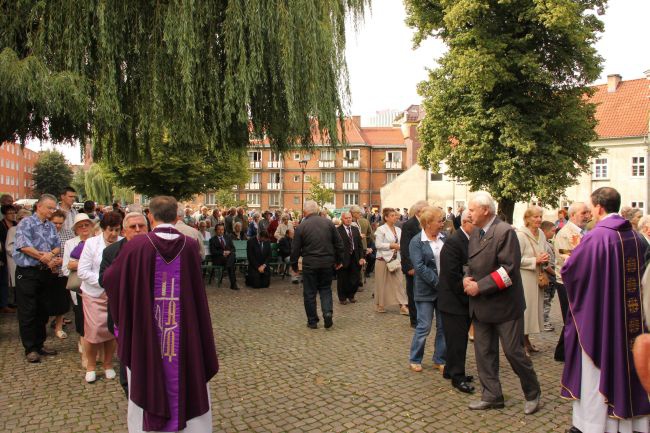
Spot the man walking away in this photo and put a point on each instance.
(321, 248)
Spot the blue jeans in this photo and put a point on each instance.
(317, 281)
(425, 312)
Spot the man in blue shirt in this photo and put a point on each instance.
(36, 245)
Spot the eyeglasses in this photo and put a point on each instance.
(134, 226)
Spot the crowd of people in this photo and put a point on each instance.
(132, 275)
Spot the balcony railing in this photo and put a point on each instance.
(255, 164)
(351, 164)
(329, 185)
(394, 165)
(273, 185)
(351, 185)
(253, 185)
(274, 164)
(326, 164)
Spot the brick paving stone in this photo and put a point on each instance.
(279, 376)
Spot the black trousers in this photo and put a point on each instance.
(231, 276)
(31, 295)
(317, 281)
(564, 306)
(258, 280)
(456, 327)
(413, 314)
(348, 280)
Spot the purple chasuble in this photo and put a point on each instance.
(167, 314)
(603, 283)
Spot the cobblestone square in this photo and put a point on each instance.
(276, 375)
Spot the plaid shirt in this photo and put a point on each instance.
(64, 236)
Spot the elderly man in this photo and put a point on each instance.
(566, 240)
(602, 278)
(453, 303)
(37, 243)
(134, 224)
(365, 230)
(321, 248)
(496, 305)
(188, 231)
(188, 218)
(165, 340)
(409, 230)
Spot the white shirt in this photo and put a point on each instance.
(488, 225)
(383, 238)
(436, 246)
(70, 245)
(88, 269)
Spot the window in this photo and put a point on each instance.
(255, 155)
(352, 155)
(350, 199)
(296, 178)
(275, 178)
(351, 177)
(274, 199)
(328, 177)
(601, 168)
(435, 176)
(327, 155)
(2, 162)
(296, 156)
(638, 205)
(296, 199)
(253, 199)
(17, 166)
(276, 156)
(395, 156)
(211, 198)
(256, 178)
(391, 177)
(2, 179)
(307, 178)
(638, 166)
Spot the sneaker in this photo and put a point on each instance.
(91, 376)
(110, 373)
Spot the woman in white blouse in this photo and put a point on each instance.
(95, 301)
(389, 286)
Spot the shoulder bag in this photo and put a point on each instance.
(394, 264)
(542, 278)
(74, 282)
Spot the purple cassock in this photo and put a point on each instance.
(157, 298)
(603, 284)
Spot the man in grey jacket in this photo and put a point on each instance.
(320, 245)
(496, 305)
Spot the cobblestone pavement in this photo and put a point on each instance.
(279, 376)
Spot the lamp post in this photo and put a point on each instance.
(303, 165)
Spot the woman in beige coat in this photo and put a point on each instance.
(533, 256)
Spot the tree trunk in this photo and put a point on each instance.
(507, 209)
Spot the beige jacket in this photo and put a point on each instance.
(192, 233)
(565, 241)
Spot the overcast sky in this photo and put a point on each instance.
(384, 68)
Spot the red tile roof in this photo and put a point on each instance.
(625, 112)
(377, 136)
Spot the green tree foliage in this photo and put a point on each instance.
(99, 185)
(79, 184)
(507, 108)
(51, 173)
(184, 175)
(198, 75)
(319, 193)
(227, 198)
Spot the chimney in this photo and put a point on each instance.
(613, 81)
(356, 120)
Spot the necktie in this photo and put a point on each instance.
(223, 245)
(351, 240)
(481, 233)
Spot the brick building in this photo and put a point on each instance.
(373, 157)
(17, 170)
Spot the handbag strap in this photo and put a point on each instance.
(538, 266)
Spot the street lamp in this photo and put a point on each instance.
(303, 165)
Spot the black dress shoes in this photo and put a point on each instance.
(484, 405)
(465, 387)
(328, 321)
(45, 351)
(235, 287)
(33, 357)
(573, 430)
(312, 325)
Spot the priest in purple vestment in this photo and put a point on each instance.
(159, 306)
(603, 283)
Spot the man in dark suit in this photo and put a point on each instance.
(410, 228)
(453, 304)
(134, 224)
(348, 277)
(258, 252)
(222, 252)
(496, 305)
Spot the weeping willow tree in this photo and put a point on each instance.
(203, 75)
(101, 187)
